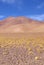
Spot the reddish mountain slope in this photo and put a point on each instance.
(20, 24)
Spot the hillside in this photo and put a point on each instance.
(20, 25)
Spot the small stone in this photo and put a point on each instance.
(36, 58)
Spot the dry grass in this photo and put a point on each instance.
(25, 50)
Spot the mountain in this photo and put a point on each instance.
(20, 25)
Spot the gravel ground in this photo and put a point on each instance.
(20, 55)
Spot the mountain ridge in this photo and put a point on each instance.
(20, 25)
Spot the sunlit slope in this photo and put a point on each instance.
(20, 24)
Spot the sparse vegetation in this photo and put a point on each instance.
(21, 50)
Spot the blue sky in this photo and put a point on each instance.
(30, 8)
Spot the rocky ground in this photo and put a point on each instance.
(21, 55)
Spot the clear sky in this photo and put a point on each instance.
(30, 8)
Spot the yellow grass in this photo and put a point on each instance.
(33, 44)
(25, 41)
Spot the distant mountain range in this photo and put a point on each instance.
(20, 25)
